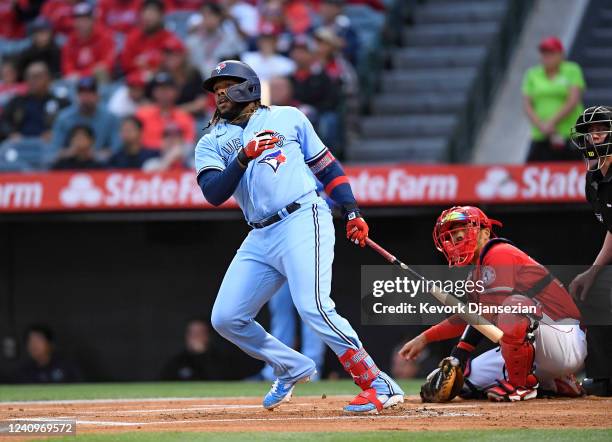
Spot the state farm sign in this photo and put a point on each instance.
(390, 185)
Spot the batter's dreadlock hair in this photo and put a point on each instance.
(248, 110)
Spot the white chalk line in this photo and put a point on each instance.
(127, 400)
(262, 419)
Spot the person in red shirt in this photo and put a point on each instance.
(59, 13)
(90, 50)
(144, 45)
(183, 5)
(157, 116)
(551, 338)
(119, 15)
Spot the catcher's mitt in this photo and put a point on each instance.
(444, 383)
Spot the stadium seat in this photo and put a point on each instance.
(451, 79)
(25, 154)
(417, 149)
(389, 126)
(448, 12)
(439, 57)
(418, 102)
(451, 34)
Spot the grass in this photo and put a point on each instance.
(373, 436)
(140, 390)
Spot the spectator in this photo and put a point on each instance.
(80, 152)
(311, 83)
(132, 154)
(334, 63)
(552, 99)
(267, 62)
(43, 48)
(244, 16)
(128, 97)
(173, 151)
(89, 51)
(292, 15)
(9, 82)
(33, 114)
(191, 96)
(59, 13)
(143, 46)
(331, 15)
(14, 15)
(155, 117)
(212, 42)
(200, 360)
(119, 15)
(88, 111)
(43, 364)
(182, 5)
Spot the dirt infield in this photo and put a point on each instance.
(312, 414)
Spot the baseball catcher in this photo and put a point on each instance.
(540, 349)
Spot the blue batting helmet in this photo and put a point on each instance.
(248, 90)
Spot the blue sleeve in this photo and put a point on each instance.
(218, 186)
(309, 141)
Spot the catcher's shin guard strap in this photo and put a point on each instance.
(360, 366)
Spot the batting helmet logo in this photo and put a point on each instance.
(220, 67)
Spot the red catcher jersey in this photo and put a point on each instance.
(506, 270)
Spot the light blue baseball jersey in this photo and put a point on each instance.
(279, 176)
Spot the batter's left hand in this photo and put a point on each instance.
(357, 230)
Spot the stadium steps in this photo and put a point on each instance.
(416, 111)
(592, 49)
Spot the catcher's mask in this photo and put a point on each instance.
(584, 136)
(456, 233)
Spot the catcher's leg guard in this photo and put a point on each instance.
(518, 352)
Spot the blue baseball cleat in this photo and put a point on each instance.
(282, 391)
(383, 393)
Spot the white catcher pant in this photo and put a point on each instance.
(560, 350)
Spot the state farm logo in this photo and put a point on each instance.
(400, 186)
(497, 183)
(534, 183)
(136, 190)
(81, 190)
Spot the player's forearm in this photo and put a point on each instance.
(605, 254)
(449, 328)
(330, 173)
(528, 107)
(218, 186)
(568, 106)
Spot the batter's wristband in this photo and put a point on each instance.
(242, 158)
(349, 210)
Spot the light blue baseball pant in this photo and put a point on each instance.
(283, 327)
(298, 249)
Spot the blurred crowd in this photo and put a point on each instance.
(118, 83)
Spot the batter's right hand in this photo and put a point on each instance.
(582, 283)
(413, 348)
(263, 140)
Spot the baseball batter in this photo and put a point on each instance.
(264, 156)
(542, 350)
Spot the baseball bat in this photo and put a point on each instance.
(478, 322)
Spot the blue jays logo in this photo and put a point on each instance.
(220, 67)
(274, 159)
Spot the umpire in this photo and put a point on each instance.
(592, 135)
